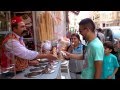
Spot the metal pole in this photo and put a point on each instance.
(34, 28)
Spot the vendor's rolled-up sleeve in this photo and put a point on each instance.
(14, 47)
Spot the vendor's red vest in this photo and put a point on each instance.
(20, 64)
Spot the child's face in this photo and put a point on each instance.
(107, 50)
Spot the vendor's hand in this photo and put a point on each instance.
(33, 62)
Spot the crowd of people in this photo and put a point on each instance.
(100, 57)
(97, 59)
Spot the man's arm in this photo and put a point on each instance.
(48, 56)
(98, 69)
(74, 56)
(19, 50)
(22, 52)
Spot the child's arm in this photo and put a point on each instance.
(115, 71)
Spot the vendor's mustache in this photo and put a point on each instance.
(24, 32)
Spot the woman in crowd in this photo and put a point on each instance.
(76, 47)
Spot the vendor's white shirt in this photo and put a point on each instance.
(14, 47)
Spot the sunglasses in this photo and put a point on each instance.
(81, 30)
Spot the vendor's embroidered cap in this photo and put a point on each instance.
(16, 19)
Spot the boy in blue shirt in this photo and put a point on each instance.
(110, 63)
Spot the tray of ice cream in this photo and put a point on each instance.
(39, 71)
(43, 60)
(32, 74)
(41, 65)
